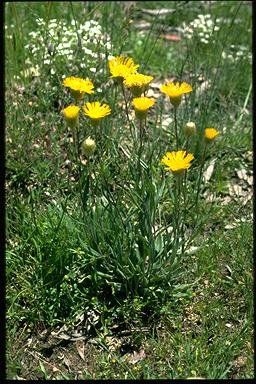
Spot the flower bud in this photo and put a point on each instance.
(71, 115)
(190, 129)
(210, 134)
(88, 147)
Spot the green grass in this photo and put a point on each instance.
(64, 259)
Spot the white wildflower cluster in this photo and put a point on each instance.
(59, 40)
(236, 53)
(203, 27)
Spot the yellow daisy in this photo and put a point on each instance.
(210, 134)
(175, 91)
(120, 67)
(137, 83)
(177, 162)
(141, 105)
(71, 115)
(95, 111)
(78, 86)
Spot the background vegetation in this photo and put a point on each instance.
(76, 308)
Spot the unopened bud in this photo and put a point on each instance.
(190, 129)
(88, 147)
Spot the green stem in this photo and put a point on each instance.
(187, 144)
(126, 110)
(200, 175)
(183, 220)
(140, 149)
(177, 190)
(176, 128)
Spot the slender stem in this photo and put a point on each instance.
(185, 204)
(126, 109)
(200, 175)
(177, 213)
(140, 149)
(187, 144)
(176, 128)
(75, 133)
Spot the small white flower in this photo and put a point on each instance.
(53, 71)
(47, 61)
(196, 23)
(87, 51)
(92, 70)
(204, 41)
(32, 34)
(52, 24)
(108, 45)
(216, 28)
(66, 45)
(66, 52)
(40, 21)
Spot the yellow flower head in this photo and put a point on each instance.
(71, 115)
(137, 83)
(177, 162)
(78, 86)
(210, 134)
(120, 67)
(141, 105)
(95, 111)
(175, 91)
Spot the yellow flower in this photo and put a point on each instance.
(137, 83)
(78, 86)
(210, 134)
(88, 147)
(177, 162)
(71, 115)
(141, 105)
(95, 111)
(190, 129)
(120, 67)
(175, 91)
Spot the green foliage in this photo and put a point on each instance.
(111, 236)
